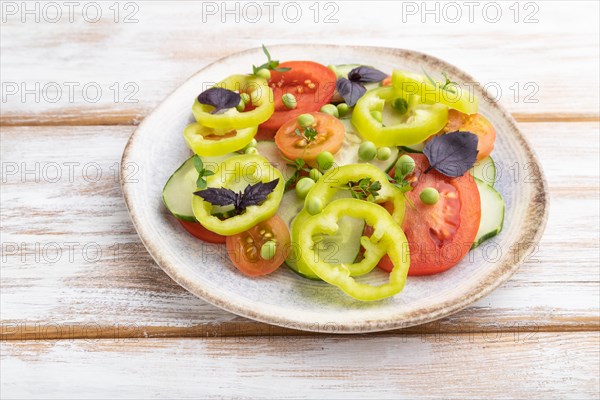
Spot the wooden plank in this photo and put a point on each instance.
(149, 58)
(134, 116)
(64, 288)
(544, 365)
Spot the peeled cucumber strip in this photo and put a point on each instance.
(492, 212)
(178, 191)
(268, 149)
(485, 170)
(348, 154)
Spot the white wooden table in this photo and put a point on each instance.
(85, 311)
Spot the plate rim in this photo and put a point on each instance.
(530, 234)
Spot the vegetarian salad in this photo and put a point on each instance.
(337, 170)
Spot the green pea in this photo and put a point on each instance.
(245, 97)
(305, 120)
(253, 143)
(325, 160)
(303, 186)
(314, 205)
(241, 106)
(289, 101)
(367, 151)
(315, 174)
(405, 165)
(400, 105)
(343, 109)
(429, 196)
(383, 153)
(377, 115)
(264, 73)
(251, 150)
(255, 97)
(268, 250)
(330, 109)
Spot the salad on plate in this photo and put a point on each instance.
(336, 170)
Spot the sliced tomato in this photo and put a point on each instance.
(202, 233)
(330, 136)
(311, 83)
(474, 123)
(439, 235)
(244, 248)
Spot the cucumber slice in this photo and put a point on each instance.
(343, 246)
(492, 213)
(485, 170)
(348, 154)
(341, 71)
(292, 260)
(268, 149)
(178, 191)
(289, 207)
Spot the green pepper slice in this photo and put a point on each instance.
(420, 121)
(210, 142)
(334, 179)
(453, 96)
(261, 97)
(325, 190)
(387, 237)
(236, 173)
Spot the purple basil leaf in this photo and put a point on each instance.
(350, 91)
(218, 196)
(219, 98)
(364, 74)
(252, 195)
(255, 194)
(452, 153)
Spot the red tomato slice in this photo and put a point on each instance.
(311, 83)
(439, 235)
(330, 136)
(244, 248)
(477, 124)
(202, 233)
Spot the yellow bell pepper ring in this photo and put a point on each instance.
(261, 97)
(206, 141)
(420, 120)
(387, 237)
(236, 173)
(453, 96)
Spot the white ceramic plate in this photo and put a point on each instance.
(283, 298)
